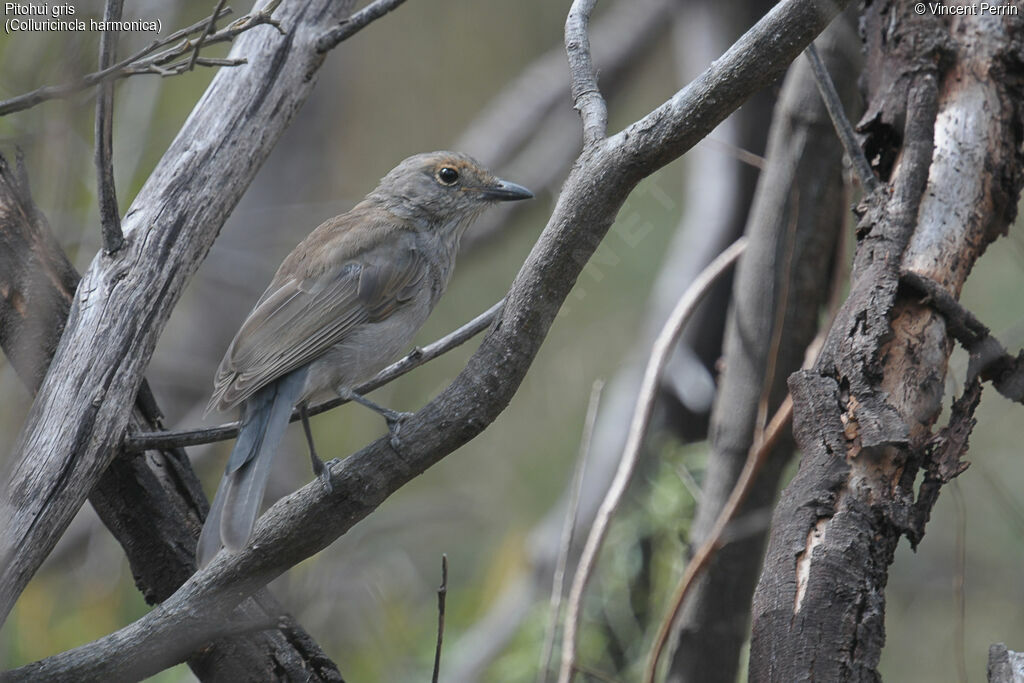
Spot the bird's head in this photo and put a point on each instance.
(443, 189)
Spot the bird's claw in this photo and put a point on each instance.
(395, 420)
(323, 472)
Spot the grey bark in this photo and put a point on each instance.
(1005, 666)
(311, 518)
(152, 502)
(796, 218)
(941, 108)
(82, 408)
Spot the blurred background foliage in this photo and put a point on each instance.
(413, 82)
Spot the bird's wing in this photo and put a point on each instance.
(300, 317)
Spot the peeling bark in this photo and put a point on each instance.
(944, 128)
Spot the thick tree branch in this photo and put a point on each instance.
(152, 504)
(80, 414)
(308, 520)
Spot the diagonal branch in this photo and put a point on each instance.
(844, 129)
(123, 301)
(348, 27)
(311, 518)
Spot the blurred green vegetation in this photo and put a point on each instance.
(412, 82)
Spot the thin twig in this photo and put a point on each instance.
(442, 593)
(571, 515)
(207, 31)
(158, 63)
(660, 353)
(844, 130)
(110, 216)
(52, 92)
(586, 95)
(416, 358)
(354, 23)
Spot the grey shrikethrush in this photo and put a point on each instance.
(343, 304)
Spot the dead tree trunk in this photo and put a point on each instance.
(944, 129)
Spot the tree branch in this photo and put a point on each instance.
(206, 32)
(81, 411)
(349, 27)
(311, 518)
(153, 505)
(142, 441)
(110, 217)
(586, 95)
(844, 129)
(141, 62)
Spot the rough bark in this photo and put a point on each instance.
(944, 126)
(82, 408)
(1005, 666)
(797, 214)
(151, 502)
(305, 522)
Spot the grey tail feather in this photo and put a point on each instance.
(234, 509)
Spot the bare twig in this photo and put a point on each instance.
(375, 10)
(660, 353)
(110, 217)
(585, 93)
(207, 31)
(442, 593)
(145, 62)
(161, 63)
(558, 580)
(416, 358)
(758, 453)
(52, 92)
(844, 130)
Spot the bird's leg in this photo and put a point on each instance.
(392, 417)
(319, 469)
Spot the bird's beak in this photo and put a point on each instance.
(505, 191)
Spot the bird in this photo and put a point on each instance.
(342, 305)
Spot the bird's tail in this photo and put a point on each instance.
(240, 492)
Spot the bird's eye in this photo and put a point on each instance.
(447, 175)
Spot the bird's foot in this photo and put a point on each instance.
(323, 472)
(395, 420)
